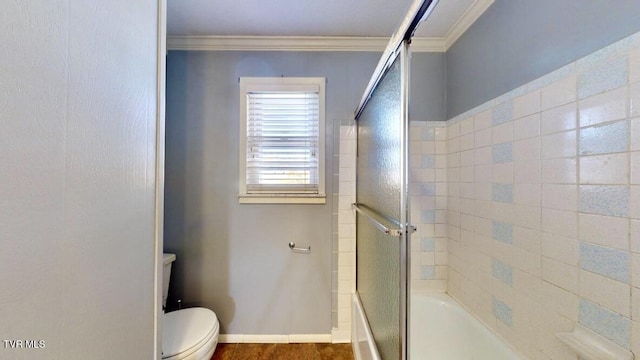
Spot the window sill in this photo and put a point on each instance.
(247, 199)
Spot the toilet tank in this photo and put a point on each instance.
(167, 259)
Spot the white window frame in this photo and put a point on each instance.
(266, 84)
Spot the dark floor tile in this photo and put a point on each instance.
(333, 352)
(283, 352)
(293, 351)
(224, 352)
(254, 352)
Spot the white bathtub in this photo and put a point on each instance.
(439, 330)
(442, 330)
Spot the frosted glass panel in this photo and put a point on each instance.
(379, 188)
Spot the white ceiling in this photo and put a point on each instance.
(359, 18)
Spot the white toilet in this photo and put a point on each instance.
(187, 334)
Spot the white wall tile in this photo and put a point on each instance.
(635, 303)
(346, 217)
(347, 188)
(605, 169)
(557, 145)
(483, 137)
(560, 274)
(634, 66)
(635, 337)
(347, 147)
(634, 202)
(467, 158)
(502, 173)
(609, 293)
(604, 107)
(453, 160)
(466, 142)
(429, 147)
(526, 149)
(453, 146)
(634, 234)
(560, 300)
(453, 131)
(502, 251)
(634, 144)
(527, 239)
(635, 270)
(347, 132)
(415, 147)
(559, 171)
(604, 230)
(634, 99)
(527, 216)
(483, 173)
(559, 92)
(502, 133)
(526, 105)
(502, 212)
(560, 197)
(467, 126)
(483, 155)
(526, 172)
(561, 118)
(564, 223)
(344, 202)
(560, 248)
(527, 194)
(347, 160)
(482, 120)
(528, 262)
(526, 127)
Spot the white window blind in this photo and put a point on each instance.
(282, 154)
(282, 142)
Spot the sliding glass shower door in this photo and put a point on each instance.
(382, 216)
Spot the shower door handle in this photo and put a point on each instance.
(379, 225)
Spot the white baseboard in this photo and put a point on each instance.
(340, 336)
(275, 339)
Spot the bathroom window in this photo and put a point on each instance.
(282, 140)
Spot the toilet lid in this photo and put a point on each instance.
(185, 329)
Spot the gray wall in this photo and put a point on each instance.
(77, 178)
(428, 84)
(516, 41)
(234, 258)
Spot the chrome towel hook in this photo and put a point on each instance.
(293, 248)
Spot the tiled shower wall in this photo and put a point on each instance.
(428, 204)
(345, 251)
(428, 190)
(543, 205)
(528, 206)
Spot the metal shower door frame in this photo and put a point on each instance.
(405, 213)
(398, 45)
(405, 229)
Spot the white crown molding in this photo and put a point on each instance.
(276, 43)
(427, 44)
(295, 43)
(325, 43)
(468, 18)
